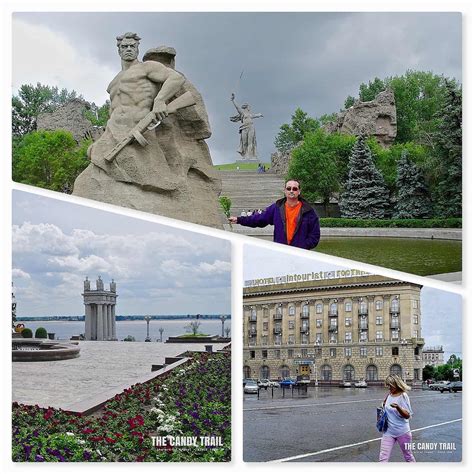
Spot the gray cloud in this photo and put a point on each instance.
(308, 60)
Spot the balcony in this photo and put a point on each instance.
(394, 311)
(304, 329)
(394, 324)
(304, 315)
(364, 312)
(332, 329)
(252, 332)
(276, 330)
(363, 326)
(253, 319)
(332, 313)
(277, 317)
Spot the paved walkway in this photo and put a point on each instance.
(102, 366)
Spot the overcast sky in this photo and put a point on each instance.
(158, 269)
(441, 311)
(274, 61)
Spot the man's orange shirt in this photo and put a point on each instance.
(291, 214)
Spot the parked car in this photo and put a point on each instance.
(248, 380)
(251, 387)
(345, 385)
(265, 383)
(439, 385)
(287, 382)
(361, 384)
(452, 387)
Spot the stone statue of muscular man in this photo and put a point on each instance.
(165, 177)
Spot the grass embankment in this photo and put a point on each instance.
(450, 223)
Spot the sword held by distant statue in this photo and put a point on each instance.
(149, 122)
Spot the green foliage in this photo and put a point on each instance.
(27, 333)
(291, 134)
(448, 145)
(226, 204)
(98, 116)
(365, 194)
(327, 118)
(452, 223)
(193, 327)
(412, 195)
(349, 102)
(320, 163)
(41, 333)
(129, 339)
(50, 160)
(34, 100)
(370, 91)
(445, 371)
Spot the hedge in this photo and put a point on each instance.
(454, 222)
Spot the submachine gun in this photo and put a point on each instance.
(149, 122)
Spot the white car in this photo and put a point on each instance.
(361, 384)
(251, 387)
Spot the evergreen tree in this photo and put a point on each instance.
(365, 195)
(413, 200)
(448, 144)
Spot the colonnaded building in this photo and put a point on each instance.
(333, 329)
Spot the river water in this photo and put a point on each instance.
(137, 329)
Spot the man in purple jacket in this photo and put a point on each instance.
(295, 221)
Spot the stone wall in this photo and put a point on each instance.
(70, 117)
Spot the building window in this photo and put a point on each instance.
(416, 374)
(379, 336)
(326, 373)
(415, 333)
(363, 351)
(395, 351)
(264, 340)
(395, 369)
(415, 304)
(371, 373)
(379, 351)
(349, 306)
(290, 353)
(319, 323)
(395, 335)
(279, 310)
(378, 320)
(395, 305)
(318, 351)
(291, 310)
(333, 339)
(348, 321)
(252, 354)
(291, 325)
(253, 313)
(266, 312)
(304, 339)
(378, 305)
(319, 338)
(265, 326)
(333, 308)
(305, 310)
(319, 308)
(415, 319)
(284, 371)
(348, 351)
(348, 373)
(348, 338)
(304, 352)
(277, 339)
(332, 352)
(264, 354)
(363, 307)
(264, 372)
(291, 339)
(363, 337)
(277, 353)
(247, 372)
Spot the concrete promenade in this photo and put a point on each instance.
(103, 366)
(333, 424)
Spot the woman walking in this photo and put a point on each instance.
(398, 409)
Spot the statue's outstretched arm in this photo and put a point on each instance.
(232, 97)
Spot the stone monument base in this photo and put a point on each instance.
(195, 200)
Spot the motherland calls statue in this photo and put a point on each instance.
(248, 138)
(152, 156)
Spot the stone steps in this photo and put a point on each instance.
(251, 190)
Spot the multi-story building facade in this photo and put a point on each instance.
(338, 329)
(433, 356)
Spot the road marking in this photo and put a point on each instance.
(325, 404)
(338, 448)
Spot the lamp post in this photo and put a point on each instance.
(222, 317)
(161, 334)
(147, 319)
(405, 372)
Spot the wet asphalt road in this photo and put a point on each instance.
(338, 425)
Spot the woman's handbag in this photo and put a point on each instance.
(382, 418)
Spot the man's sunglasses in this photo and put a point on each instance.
(294, 188)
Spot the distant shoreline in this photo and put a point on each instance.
(125, 318)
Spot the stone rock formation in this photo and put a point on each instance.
(172, 174)
(280, 162)
(70, 117)
(376, 118)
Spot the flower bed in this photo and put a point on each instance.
(193, 400)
